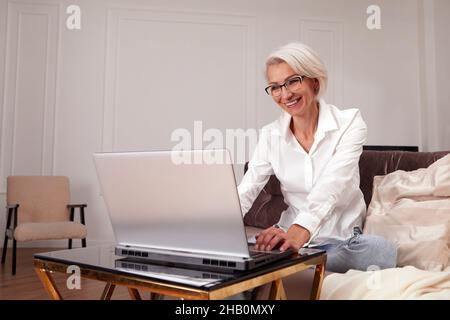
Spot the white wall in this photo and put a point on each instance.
(65, 94)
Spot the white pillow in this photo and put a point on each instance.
(412, 209)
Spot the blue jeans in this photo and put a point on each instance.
(360, 252)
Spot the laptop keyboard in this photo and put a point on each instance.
(256, 254)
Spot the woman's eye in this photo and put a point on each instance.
(294, 82)
(276, 88)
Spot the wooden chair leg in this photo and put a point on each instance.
(5, 247)
(14, 257)
(5, 243)
(83, 243)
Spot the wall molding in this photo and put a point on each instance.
(308, 29)
(116, 16)
(17, 13)
(429, 131)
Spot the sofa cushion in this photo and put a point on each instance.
(379, 163)
(412, 209)
(268, 206)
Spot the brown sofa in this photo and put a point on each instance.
(269, 205)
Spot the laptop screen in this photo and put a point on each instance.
(170, 200)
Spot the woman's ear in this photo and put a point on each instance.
(316, 86)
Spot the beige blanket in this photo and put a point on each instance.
(412, 209)
(395, 283)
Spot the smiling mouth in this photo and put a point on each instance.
(292, 103)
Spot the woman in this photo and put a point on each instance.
(313, 149)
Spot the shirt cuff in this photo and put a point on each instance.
(310, 223)
(245, 203)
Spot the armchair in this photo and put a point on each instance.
(38, 209)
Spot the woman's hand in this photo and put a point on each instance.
(273, 237)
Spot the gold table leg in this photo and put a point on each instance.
(318, 280)
(108, 291)
(134, 294)
(277, 291)
(156, 296)
(49, 285)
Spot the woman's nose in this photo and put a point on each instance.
(285, 93)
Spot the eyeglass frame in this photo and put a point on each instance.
(266, 89)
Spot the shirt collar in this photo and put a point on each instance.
(327, 122)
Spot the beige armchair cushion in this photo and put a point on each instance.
(51, 230)
(43, 212)
(41, 198)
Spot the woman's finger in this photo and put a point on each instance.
(265, 238)
(276, 240)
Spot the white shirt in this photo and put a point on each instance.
(321, 188)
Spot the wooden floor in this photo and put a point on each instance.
(25, 285)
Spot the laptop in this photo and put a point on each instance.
(178, 208)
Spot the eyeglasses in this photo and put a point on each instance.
(292, 84)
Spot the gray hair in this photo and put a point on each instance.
(303, 60)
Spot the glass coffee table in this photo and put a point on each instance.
(100, 263)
